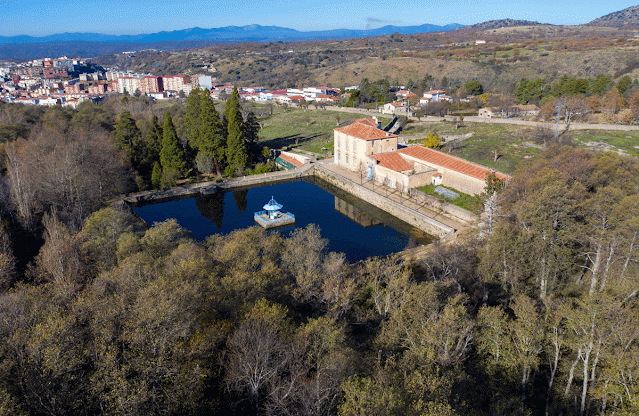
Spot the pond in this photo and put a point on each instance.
(351, 225)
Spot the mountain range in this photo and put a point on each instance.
(250, 33)
(92, 44)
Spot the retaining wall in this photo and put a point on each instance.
(412, 217)
(448, 208)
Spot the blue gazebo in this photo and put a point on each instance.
(272, 208)
(272, 216)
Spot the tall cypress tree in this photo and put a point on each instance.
(211, 138)
(171, 155)
(192, 117)
(236, 153)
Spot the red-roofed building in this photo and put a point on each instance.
(355, 142)
(405, 94)
(416, 166)
(429, 166)
(289, 160)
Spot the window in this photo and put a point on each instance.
(338, 157)
(346, 159)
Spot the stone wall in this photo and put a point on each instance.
(414, 218)
(439, 204)
(461, 182)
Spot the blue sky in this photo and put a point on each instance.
(39, 18)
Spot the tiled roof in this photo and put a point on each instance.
(364, 130)
(436, 158)
(367, 121)
(291, 160)
(393, 161)
(527, 107)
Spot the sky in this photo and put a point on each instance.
(127, 17)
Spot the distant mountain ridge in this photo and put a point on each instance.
(625, 17)
(230, 34)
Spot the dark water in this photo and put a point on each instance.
(351, 225)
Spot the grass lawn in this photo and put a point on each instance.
(309, 130)
(511, 141)
(627, 141)
(469, 202)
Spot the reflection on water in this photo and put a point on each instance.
(211, 207)
(357, 215)
(240, 199)
(351, 225)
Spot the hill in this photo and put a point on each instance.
(625, 17)
(498, 24)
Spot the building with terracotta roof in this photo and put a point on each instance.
(289, 160)
(416, 166)
(355, 142)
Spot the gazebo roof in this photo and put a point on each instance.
(272, 205)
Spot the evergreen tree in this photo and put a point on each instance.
(171, 155)
(156, 175)
(192, 117)
(251, 128)
(236, 153)
(211, 138)
(154, 140)
(128, 138)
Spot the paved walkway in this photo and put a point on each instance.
(394, 195)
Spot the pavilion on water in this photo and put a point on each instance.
(273, 216)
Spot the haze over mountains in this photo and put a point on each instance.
(93, 44)
(250, 33)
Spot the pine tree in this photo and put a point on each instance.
(211, 138)
(171, 155)
(236, 153)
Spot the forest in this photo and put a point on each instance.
(103, 315)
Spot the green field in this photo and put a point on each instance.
(515, 143)
(310, 130)
(469, 202)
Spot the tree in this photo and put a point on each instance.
(611, 102)
(474, 88)
(211, 138)
(251, 128)
(7, 260)
(432, 141)
(192, 116)
(171, 155)
(156, 175)
(129, 139)
(256, 350)
(236, 152)
(624, 84)
(153, 144)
